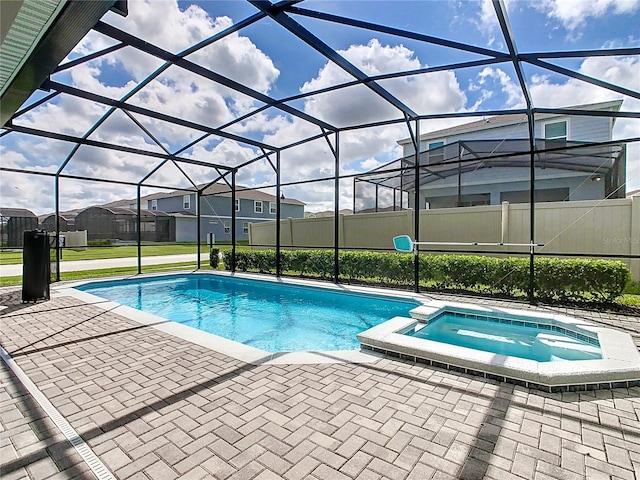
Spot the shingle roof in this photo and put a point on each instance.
(223, 190)
(16, 212)
(128, 211)
(498, 120)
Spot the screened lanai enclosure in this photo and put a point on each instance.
(456, 126)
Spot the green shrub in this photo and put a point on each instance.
(99, 243)
(580, 279)
(632, 288)
(214, 258)
(555, 279)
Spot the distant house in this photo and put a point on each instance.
(111, 223)
(13, 223)
(67, 222)
(215, 211)
(482, 163)
(327, 213)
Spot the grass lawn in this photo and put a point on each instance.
(629, 300)
(95, 253)
(112, 272)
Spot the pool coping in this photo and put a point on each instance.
(619, 367)
(228, 347)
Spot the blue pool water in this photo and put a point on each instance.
(518, 339)
(270, 316)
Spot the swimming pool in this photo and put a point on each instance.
(573, 355)
(270, 316)
(509, 336)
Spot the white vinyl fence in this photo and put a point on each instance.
(607, 227)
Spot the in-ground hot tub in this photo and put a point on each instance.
(533, 349)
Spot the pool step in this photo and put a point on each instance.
(567, 348)
(424, 313)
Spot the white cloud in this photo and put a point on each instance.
(619, 71)
(370, 164)
(166, 25)
(510, 88)
(573, 14)
(17, 191)
(68, 115)
(434, 92)
(487, 21)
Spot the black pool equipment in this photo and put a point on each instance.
(36, 266)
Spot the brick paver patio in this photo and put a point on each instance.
(154, 406)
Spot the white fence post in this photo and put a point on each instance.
(504, 238)
(634, 236)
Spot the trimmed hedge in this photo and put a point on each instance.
(214, 257)
(555, 279)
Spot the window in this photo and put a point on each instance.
(272, 208)
(245, 227)
(541, 195)
(436, 151)
(556, 130)
(154, 204)
(237, 204)
(186, 202)
(227, 226)
(257, 206)
(452, 201)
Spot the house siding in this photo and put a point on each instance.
(514, 179)
(494, 181)
(215, 210)
(581, 128)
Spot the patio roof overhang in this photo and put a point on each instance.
(36, 36)
(467, 156)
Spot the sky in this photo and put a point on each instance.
(271, 61)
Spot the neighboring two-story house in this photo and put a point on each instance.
(215, 211)
(482, 163)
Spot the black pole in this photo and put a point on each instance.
(233, 221)
(139, 230)
(354, 195)
(532, 205)
(336, 209)
(376, 209)
(416, 210)
(395, 192)
(199, 228)
(402, 185)
(459, 185)
(278, 205)
(57, 188)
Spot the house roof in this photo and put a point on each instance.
(633, 193)
(327, 213)
(223, 190)
(509, 119)
(16, 212)
(470, 155)
(70, 215)
(127, 211)
(242, 192)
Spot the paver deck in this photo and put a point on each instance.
(152, 406)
